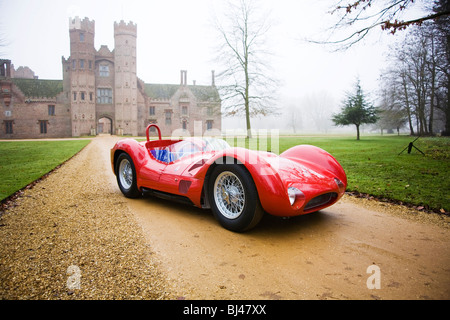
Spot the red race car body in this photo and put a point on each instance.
(238, 184)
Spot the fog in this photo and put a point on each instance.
(176, 35)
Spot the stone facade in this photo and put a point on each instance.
(101, 93)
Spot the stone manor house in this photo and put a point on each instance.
(101, 93)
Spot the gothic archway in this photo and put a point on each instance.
(105, 125)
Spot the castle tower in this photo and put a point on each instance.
(80, 67)
(125, 86)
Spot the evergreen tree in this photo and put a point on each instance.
(356, 110)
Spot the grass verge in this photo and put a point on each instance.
(375, 168)
(373, 165)
(22, 162)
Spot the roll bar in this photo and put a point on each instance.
(148, 130)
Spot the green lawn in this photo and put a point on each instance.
(25, 161)
(374, 167)
(372, 164)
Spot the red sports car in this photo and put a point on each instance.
(237, 184)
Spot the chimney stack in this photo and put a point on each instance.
(183, 77)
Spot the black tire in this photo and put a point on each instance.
(126, 176)
(233, 197)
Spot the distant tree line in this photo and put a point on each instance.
(415, 86)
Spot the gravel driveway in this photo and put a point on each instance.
(74, 236)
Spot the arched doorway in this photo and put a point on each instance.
(104, 126)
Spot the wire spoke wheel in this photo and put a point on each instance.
(234, 198)
(126, 174)
(229, 195)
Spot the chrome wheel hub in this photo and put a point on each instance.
(125, 174)
(229, 195)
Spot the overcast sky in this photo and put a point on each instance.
(176, 35)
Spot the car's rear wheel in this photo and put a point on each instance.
(126, 176)
(234, 198)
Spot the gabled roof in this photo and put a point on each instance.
(205, 93)
(38, 87)
(160, 91)
(166, 91)
(51, 88)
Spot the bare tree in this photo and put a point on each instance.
(294, 116)
(319, 107)
(390, 109)
(246, 85)
(418, 74)
(362, 16)
(406, 99)
(441, 30)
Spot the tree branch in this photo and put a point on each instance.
(384, 18)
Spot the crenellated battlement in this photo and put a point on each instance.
(100, 84)
(85, 24)
(123, 28)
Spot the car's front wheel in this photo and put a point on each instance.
(126, 176)
(234, 198)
